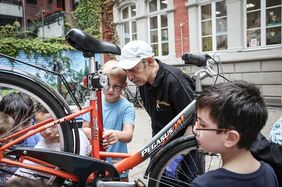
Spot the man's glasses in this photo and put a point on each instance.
(115, 87)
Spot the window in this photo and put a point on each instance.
(31, 2)
(129, 23)
(263, 24)
(214, 26)
(158, 27)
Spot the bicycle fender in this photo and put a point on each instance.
(163, 150)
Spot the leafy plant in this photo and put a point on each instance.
(88, 16)
(10, 30)
(47, 48)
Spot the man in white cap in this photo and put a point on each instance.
(164, 89)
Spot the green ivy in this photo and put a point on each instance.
(88, 16)
(48, 47)
(10, 30)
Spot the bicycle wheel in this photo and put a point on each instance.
(181, 163)
(39, 92)
(133, 97)
(10, 82)
(138, 98)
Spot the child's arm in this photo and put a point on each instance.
(86, 129)
(112, 136)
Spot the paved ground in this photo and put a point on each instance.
(142, 134)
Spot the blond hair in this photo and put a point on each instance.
(112, 71)
(6, 123)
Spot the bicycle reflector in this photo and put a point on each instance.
(84, 82)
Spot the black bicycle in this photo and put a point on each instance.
(132, 94)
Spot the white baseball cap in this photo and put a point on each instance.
(133, 52)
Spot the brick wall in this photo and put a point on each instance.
(108, 28)
(68, 6)
(181, 23)
(33, 11)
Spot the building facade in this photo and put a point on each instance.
(244, 35)
(49, 15)
(10, 11)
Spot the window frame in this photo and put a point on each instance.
(213, 19)
(263, 26)
(158, 13)
(130, 20)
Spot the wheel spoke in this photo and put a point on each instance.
(172, 171)
(166, 183)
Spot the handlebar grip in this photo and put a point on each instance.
(198, 60)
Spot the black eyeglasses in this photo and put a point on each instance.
(196, 131)
(115, 87)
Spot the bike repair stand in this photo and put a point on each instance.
(96, 80)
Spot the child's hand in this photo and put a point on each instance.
(110, 137)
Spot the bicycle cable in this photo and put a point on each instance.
(48, 71)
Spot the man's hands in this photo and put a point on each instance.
(110, 137)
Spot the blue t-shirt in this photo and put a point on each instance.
(263, 177)
(114, 116)
(30, 141)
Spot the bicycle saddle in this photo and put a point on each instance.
(84, 42)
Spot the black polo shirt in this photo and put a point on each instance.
(171, 92)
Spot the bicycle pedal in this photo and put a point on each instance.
(139, 183)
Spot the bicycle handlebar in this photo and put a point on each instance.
(198, 60)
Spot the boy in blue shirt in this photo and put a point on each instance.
(229, 118)
(118, 114)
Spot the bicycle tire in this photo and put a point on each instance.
(13, 81)
(49, 101)
(133, 98)
(183, 174)
(139, 99)
(127, 95)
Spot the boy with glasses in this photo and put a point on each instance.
(118, 114)
(229, 118)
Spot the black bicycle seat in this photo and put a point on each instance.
(84, 42)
